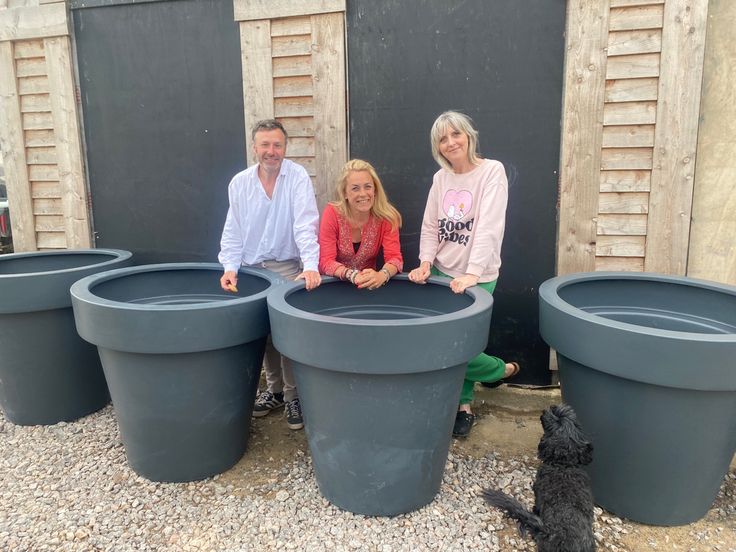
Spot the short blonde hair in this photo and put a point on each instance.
(381, 208)
(458, 121)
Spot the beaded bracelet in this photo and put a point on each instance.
(388, 275)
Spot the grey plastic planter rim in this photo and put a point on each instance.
(349, 334)
(18, 299)
(209, 334)
(615, 363)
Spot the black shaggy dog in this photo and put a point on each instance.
(562, 518)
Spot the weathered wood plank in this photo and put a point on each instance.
(255, 40)
(39, 138)
(625, 181)
(308, 163)
(33, 85)
(68, 142)
(43, 173)
(30, 67)
(623, 202)
(33, 22)
(293, 66)
(626, 158)
(629, 113)
(37, 121)
(294, 107)
(633, 66)
(298, 126)
(620, 264)
(286, 87)
(35, 103)
(622, 3)
(291, 26)
(301, 147)
(639, 41)
(50, 223)
(636, 17)
(28, 49)
(622, 225)
(631, 90)
(712, 252)
(246, 10)
(675, 140)
(41, 156)
(582, 131)
(43, 190)
(47, 206)
(52, 240)
(620, 246)
(628, 136)
(14, 154)
(330, 109)
(285, 46)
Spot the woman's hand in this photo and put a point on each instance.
(369, 278)
(311, 278)
(420, 274)
(459, 285)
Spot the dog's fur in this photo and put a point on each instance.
(562, 518)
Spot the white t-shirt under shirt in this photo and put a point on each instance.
(464, 221)
(281, 228)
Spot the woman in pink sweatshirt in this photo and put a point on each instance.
(462, 232)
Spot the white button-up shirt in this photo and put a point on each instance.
(281, 228)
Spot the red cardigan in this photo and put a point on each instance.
(336, 243)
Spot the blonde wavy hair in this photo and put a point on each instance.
(381, 209)
(458, 121)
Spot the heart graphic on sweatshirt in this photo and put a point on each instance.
(457, 203)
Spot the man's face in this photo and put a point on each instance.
(269, 147)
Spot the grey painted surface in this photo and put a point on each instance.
(501, 63)
(163, 118)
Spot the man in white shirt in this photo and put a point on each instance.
(272, 223)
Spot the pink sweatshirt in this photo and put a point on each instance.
(464, 221)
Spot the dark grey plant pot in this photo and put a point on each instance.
(647, 361)
(47, 373)
(182, 359)
(379, 375)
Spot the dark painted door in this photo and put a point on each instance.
(162, 98)
(500, 62)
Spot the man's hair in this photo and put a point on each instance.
(268, 124)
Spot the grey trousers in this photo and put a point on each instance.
(279, 374)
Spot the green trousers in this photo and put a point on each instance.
(483, 367)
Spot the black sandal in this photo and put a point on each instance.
(497, 383)
(463, 423)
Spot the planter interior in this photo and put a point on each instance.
(182, 359)
(47, 373)
(380, 390)
(647, 362)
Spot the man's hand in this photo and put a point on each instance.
(229, 278)
(420, 274)
(459, 285)
(311, 278)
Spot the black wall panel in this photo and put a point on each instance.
(161, 92)
(500, 62)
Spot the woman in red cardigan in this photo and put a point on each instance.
(356, 226)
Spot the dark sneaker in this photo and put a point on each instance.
(294, 414)
(463, 424)
(266, 402)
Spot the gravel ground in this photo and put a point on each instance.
(68, 487)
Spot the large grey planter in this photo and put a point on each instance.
(379, 376)
(47, 373)
(647, 361)
(182, 359)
